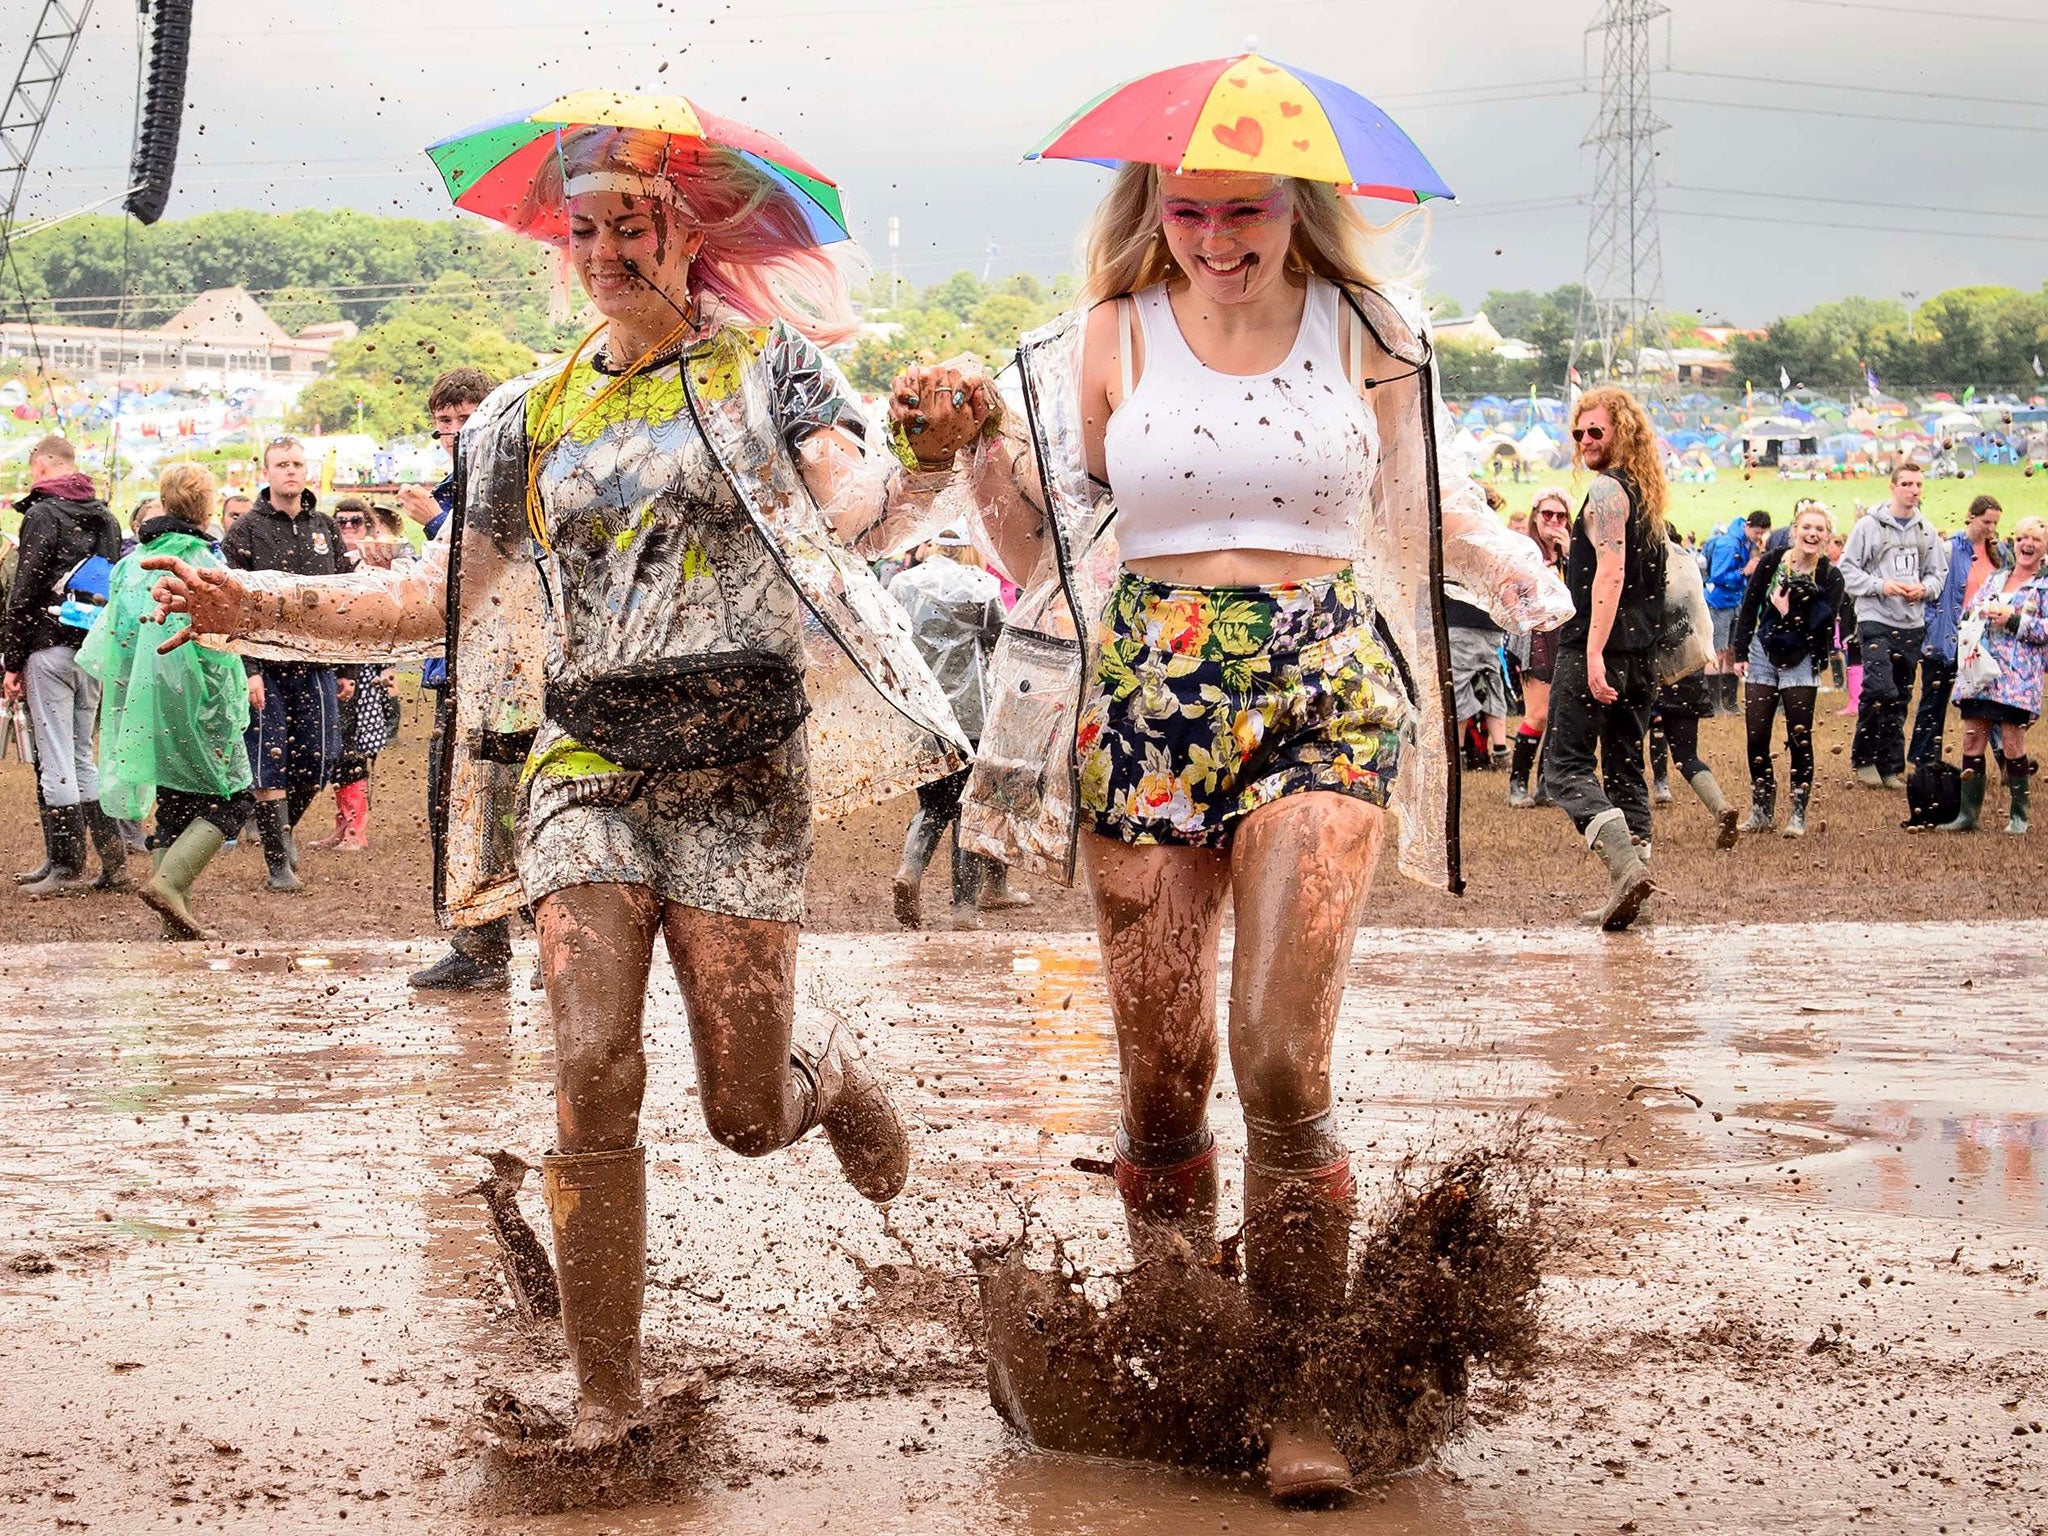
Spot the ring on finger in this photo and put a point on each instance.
(959, 398)
(918, 424)
(911, 401)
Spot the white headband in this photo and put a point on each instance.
(626, 184)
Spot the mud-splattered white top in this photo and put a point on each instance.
(1201, 460)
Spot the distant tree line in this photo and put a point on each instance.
(1984, 336)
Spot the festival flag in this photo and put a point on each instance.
(1749, 396)
(1870, 381)
(2037, 367)
(1784, 379)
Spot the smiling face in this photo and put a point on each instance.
(619, 245)
(1229, 234)
(1814, 531)
(2030, 542)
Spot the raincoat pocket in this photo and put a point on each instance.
(1020, 801)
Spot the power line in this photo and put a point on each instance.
(1920, 13)
(1855, 202)
(1888, 90)
(1877, 229)
(1869, 117)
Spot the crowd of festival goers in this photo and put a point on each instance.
(180, 754)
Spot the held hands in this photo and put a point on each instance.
(344, 688)
(213, 599)
(940, 409)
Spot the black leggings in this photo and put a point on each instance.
(1760, 710)
(1677, 736)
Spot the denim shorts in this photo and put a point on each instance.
(1767, 674)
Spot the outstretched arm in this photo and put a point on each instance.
(368, 615)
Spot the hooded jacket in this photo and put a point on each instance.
(63, 522)
(1423, 527)
(1882, 549)
(167, 719)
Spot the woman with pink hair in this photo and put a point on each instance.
(644, 527)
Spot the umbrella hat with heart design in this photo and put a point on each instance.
(1250, 114)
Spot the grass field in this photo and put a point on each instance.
(1702, 508)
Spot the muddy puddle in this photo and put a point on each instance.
(1803, 1169)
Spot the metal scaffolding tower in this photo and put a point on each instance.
(1622, 311)
(50, 48)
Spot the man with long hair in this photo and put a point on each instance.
(1604, 682)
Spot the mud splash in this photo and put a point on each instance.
(1175, 1367)
(529, 1469)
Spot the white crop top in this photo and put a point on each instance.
(1200, 460)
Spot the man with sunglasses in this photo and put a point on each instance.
(477, 958)
(294, 706)
(1604, 682)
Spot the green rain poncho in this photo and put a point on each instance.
(174, 720)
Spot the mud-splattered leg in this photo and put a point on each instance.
(1158, 912)
(1300, 870)
(738, 980)
(596, 942)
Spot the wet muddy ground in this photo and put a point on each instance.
(1804, 1172)
(1523, 867)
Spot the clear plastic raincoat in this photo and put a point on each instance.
(1425, 530)
(174, 720)
(880, 724)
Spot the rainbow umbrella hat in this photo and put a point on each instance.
(1250, 114)
(489, 169)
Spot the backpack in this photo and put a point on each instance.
(1934, 794)
(82, 592)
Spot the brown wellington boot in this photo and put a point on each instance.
(1170, 1208)
(1297, 1245)
(598, 1202)
(850, 1102)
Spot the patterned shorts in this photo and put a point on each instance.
(1210, 702)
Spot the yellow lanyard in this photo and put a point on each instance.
(536, 514)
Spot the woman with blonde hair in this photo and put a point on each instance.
(642, 528)
(171, 723)
(1227, 509)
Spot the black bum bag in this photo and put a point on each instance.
(685, 712)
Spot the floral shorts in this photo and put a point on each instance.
(1210, 702)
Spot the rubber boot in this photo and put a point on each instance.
(996, 895)
(112, 848)
(1709, 790)
(42, 870)
(1297, 1242)
(1518, 771)
(1660, 768)
(1972, 799)
(1763, 804)
(168, 892)
(1853, 689)
(277, 850)
(352, 810)
(920, 842)
(598, 1205)
(1170, 1207)
(1795, 819)
(1628, 871)
(849, 1101)
(340, 834)
(67, 857)
(2017, 771)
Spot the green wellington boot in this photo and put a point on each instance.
(168, 892)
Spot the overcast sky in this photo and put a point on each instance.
(921, 108)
